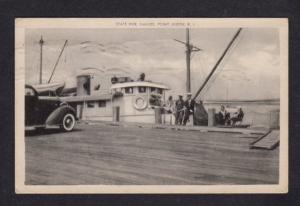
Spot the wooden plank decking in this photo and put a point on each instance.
(268, 141)
(98, 154)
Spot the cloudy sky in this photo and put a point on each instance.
(249, 71)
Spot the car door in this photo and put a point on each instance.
(46, 105)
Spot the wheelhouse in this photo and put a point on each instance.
(142, 94)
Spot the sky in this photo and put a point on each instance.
(250, 70)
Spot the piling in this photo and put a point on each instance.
(274, 119)
(116, 114)
(158, 118)
(211, 117)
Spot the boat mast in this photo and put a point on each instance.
(188, 62)
(41, 42)
(189, 49)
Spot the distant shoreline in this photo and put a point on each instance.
(234, 101)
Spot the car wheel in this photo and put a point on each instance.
(68, 122)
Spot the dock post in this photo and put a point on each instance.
(211, 117)
(116, 114)
(158, 118)
(274, 119)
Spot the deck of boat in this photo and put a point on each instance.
(103, 154)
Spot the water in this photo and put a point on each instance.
(256, 113)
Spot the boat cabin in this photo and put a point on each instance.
(134, 100)
(137, 100)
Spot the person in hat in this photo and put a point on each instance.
(179, 110)
(188, 108)
(223, 117)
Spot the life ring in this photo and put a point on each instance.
(140, 102)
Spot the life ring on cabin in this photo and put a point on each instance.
(140, 102)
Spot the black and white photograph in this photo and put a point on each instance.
(151, 105)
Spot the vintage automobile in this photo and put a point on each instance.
(44, 111)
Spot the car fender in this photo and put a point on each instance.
(56, 116)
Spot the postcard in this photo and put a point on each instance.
(151, 105)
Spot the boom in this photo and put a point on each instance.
(218, 63)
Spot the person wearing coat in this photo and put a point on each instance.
(237, 117)
(223, 117)
(179, 104)
(189, 108)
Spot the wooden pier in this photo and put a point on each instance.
(126, 155)
(267, 141)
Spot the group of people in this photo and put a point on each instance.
(224, 117)
(182, 109)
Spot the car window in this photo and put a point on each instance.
(29, 92)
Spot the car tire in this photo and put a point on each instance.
(68, 122)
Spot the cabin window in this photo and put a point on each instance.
(159, 91)
(101, 103)
(142, 89)
(128, 90)
(153, 89)
(90, 104)
(118, 90)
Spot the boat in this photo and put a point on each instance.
(135, 101)
(50, 89)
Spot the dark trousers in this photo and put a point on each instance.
(178, 117)
(186, 117)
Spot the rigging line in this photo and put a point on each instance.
(209, 86)
(199, 74)
(203, 67)
(222, 64)
(203, 72)
(70, 62)
(34, 65)
(226, 59)
(65, 56)
(57, 61)
(216, 75)
(218, 62)
(235, 47)
(199, 70)
(225, 62)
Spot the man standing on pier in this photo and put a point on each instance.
(179, 110)
(189, 108)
